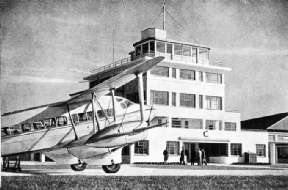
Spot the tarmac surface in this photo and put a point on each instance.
(36, 168)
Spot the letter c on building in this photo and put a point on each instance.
(205, 133)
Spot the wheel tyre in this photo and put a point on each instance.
(78, 167)
(111, 168)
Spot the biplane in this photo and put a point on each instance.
(89, 128)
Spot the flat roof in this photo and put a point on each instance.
(171, 41)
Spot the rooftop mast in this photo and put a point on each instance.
(163, 5)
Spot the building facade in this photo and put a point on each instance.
(188, 91)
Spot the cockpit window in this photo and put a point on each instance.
(119, 99)
(16, 129)
(128, 103)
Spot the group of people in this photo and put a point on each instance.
(198, 155)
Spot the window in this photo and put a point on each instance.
(26, 127)
(186, 124)
(187, 100)
(173, 98)
(203, 53)
(142, 147)
(169, 48)
(160, 47)
(213, 102)
(160, 71)
(82, 117)
(46, 123)
(145, 48)
(200, 101)
(213, 125)
(214, 78)
(174, 73)
(187, 74)
(236, 149)
(176, 123)
(90, 115)
(138, 50)
(16, 129)
(186, 51)
(194, 54)
(173, 147)
(38, 125)
(61, 121)
(177, 49)
(260, 150)
(229, 126)
(159, 97)
(152, 46)
(75, 118)
(200, 76)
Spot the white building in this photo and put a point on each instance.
(188, 90)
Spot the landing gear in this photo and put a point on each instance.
(79, 166)
(111, 168)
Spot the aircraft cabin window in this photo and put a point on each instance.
(16, 129)
(119, 99)
(46, 123)
(26, 127)
(5, 131)
(128, 103)
(53, 122)
(123, 105)
(82, 117)
(90, 115)
(61, 121)
(38, 125)
(75, 118)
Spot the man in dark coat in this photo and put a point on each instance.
(193, 156)
(166, 155)
(182, 156)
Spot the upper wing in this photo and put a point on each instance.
(102, 88)
(117, 81)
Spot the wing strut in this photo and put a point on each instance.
(72, 122)
(141, 95)
(95, 116)
(113, 102)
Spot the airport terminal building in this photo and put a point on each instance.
(188, 91)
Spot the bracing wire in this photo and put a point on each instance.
(157, 17)
(182, 27)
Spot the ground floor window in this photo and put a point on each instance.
(142, 147)
(173, 147)
(260, 150)
(236, 149)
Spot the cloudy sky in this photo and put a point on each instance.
(42, 39)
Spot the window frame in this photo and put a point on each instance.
(175, 148)
(141, 147)
(187, 74)
(258, 150)
(236, 149)
(184, 101)
(159, 99)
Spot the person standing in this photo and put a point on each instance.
(204, 157)
(166, 155)
(193, 156)
(199, 157)
(182, 156)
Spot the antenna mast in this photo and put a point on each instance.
(163, 5)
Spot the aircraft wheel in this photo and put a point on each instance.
(111, 168)
(78, 167)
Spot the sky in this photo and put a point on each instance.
(42, 39)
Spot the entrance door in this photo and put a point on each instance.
(282, 154)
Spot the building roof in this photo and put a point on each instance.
(277, 122)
